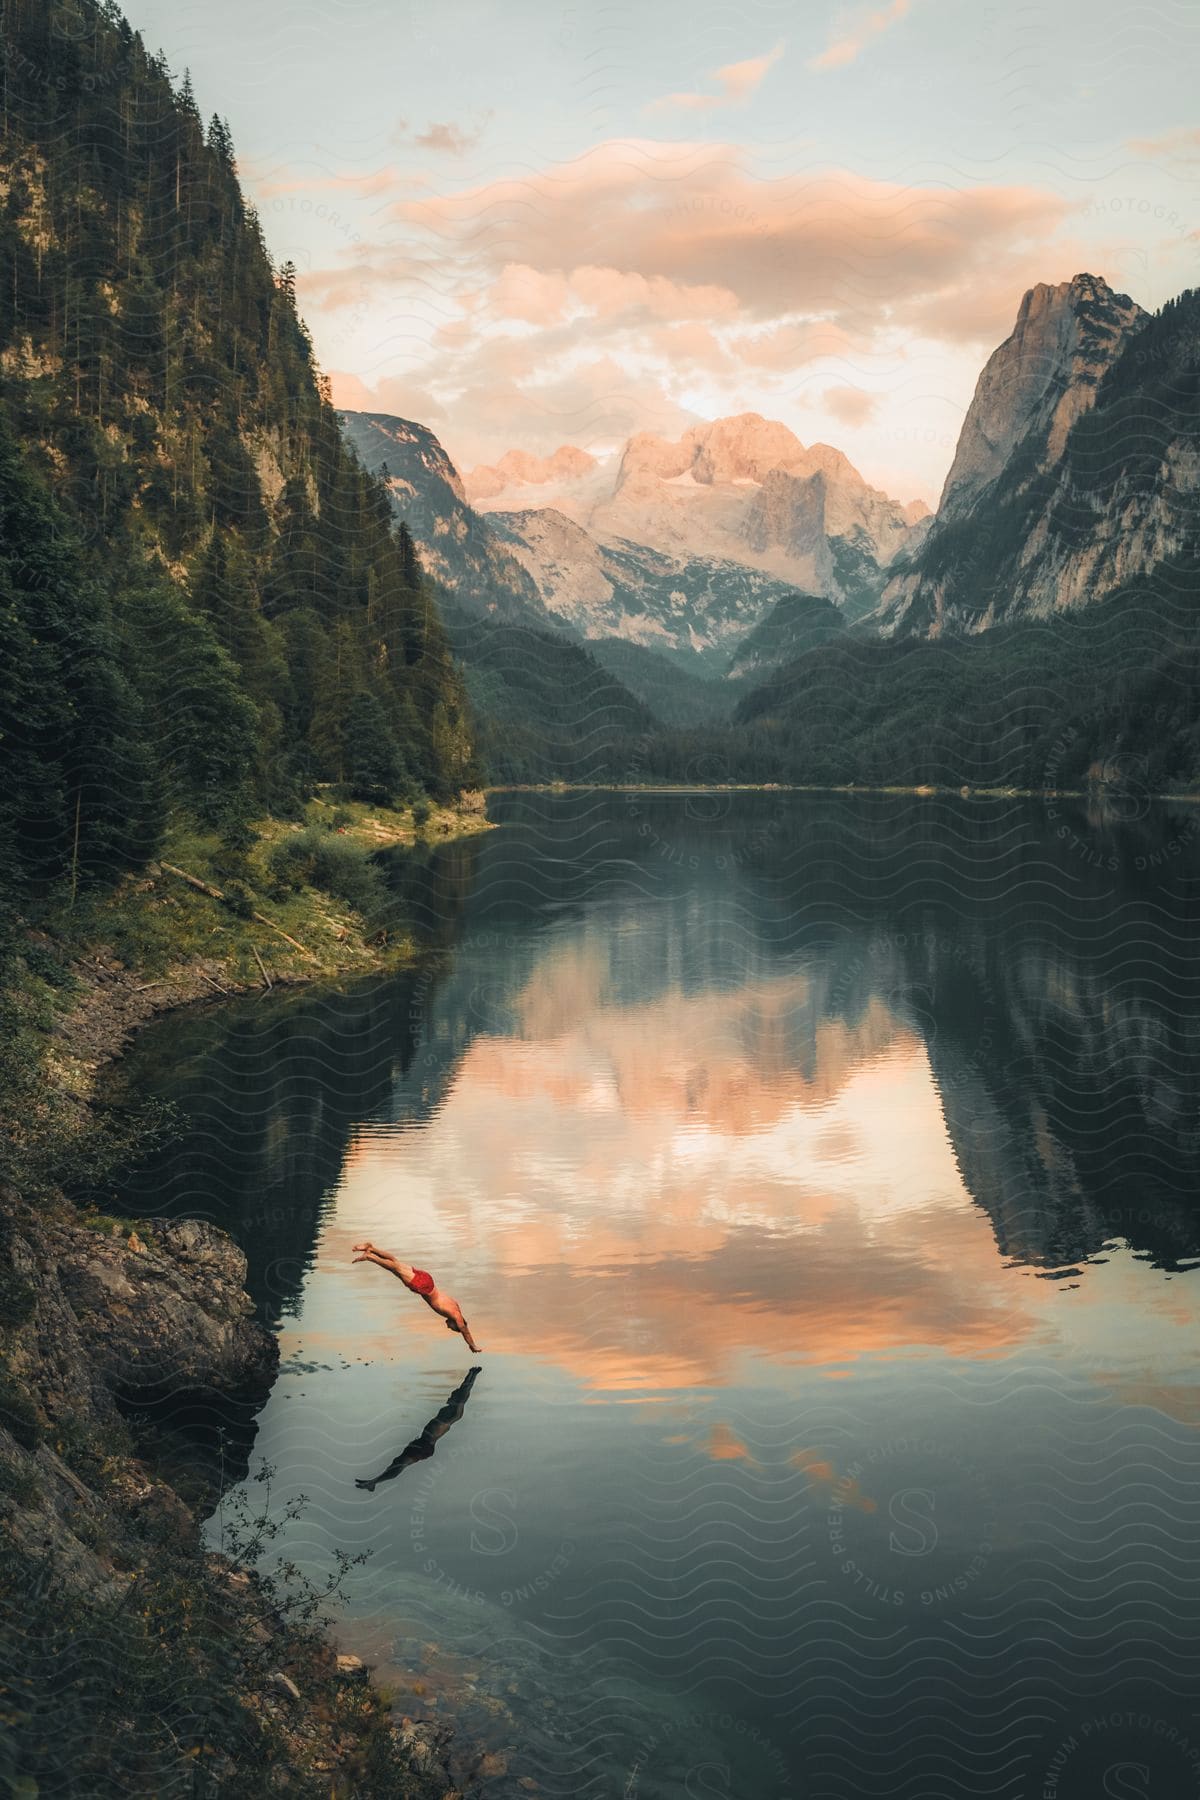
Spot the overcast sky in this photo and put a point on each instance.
(527, 224)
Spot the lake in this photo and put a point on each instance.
(819, 1177)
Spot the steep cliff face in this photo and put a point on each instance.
(1076, 472)
(1038, 382)
(515, 612)
(541, 567)
(684, 545)
(456, 545)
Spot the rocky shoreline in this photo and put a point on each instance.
(132, 1658)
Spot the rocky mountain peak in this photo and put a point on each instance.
(413, 444)
(523, 468)
(1076, 474)
(745, 447)
(1039, 380)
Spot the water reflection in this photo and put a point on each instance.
(726, 976)
(824, 1173)
(422, 1447)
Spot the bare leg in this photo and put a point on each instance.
(403, 1270)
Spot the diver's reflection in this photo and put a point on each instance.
(425, 1445)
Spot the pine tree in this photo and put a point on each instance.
(372, 762)
(161, 386)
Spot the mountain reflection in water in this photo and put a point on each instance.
(805, 1159)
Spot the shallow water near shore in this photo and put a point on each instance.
(818, 1175)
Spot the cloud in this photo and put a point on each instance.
(838, 245)
(447, 137)
(850, 405)
(520, 292)
(494, 397)
(372, 183)
(397, 395)
(1180, 145)
(860, 29)
(605, 294)
(450, 138)
(646, 283)
(792, 343)
(736, 81)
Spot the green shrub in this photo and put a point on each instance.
(239, 901)
(337, 866)
(48, 965)
(422, 812)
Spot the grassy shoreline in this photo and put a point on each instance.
(792, 787)
(293, 904)
(91, 974)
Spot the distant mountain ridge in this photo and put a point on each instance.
(740, 491)
(693, 610)
(542, 568)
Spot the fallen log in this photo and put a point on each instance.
(215, 893)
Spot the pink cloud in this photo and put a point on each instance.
(366, 186)
(520, 292)
(392, 394)
(792, 343)
(447, 137)
(836, 244)
(607, 293)
(586, 300)
(1180, 145)
(851, 406)
(736, 82)
(686, 343)
(857, 32)
(451, 138)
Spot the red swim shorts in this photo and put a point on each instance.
(422, 1281)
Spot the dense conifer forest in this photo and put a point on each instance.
(205, 606)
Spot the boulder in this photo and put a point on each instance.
(171, 1316)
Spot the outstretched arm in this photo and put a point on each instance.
(456, 1322)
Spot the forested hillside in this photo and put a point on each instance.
(545, 708)
(206, 606)
(1110, 699)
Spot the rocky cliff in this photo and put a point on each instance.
(742, 491)
(746, 490)
(456, 545)
(694, 610)
(1038, 382)
(133, 1659)
(542, 567)
(1077, 469)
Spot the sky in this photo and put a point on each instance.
(526, 224)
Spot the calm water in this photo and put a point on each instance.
(819, 1178)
